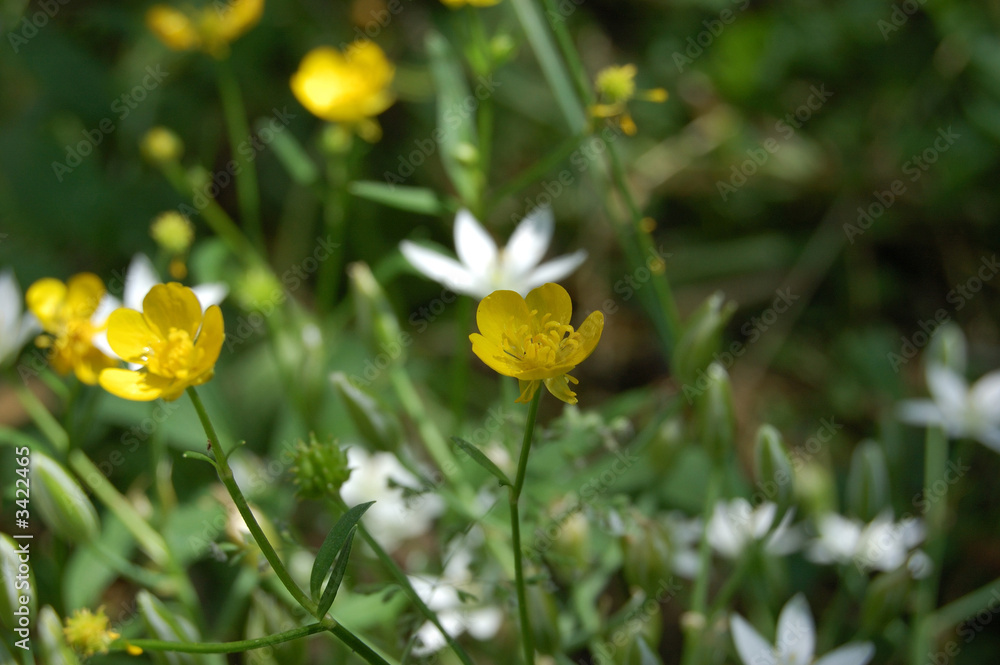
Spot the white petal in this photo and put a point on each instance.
(919, 412)
(985, 397)
(989, 436)
(855, 653)
(139, 279)
(483, 624)
(474, 245)
(796, 640)
(107, 304)
(920, 565)
(752, 648)
(529, 242)
(441, 269)
(762, 518)
(210, 294)
(949, 390)
(555, 270)
(723, 532)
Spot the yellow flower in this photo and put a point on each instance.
(176, 344)
(616, 87)
(210, 29)
(350, 87)
(87, 633)
(69, 314)
(531, 339)
(472, 3)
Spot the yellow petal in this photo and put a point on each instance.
(89, 366)
(528, 389)
(129, 335)
(493, 355)
(172, 27)
(496, 310)
(169, 306)
(551, 299)
(45, 298)
(209, 341)
(136, 386)
(83, 295)
(239, 16)
(559, 387)
(590, 334)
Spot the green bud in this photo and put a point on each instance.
(567, 537)
(701, 338)
(544, 617)
(320, 468)
(948, 348)
(466, 154)
(637, 652)
(166, 624)
(502, 48)
(160, 145)
(374, 422)
(647, 555)
(772, 468)
(868, 481)
(62, 504)
(52, 642)
(336, 139)
(668, 442)
(17, 583)
(199, 178)
(815, 490)
(256, 288)
(716, 420)
(376, 317)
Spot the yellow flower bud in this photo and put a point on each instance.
(88, 633)
(173, 232)
(160, 146)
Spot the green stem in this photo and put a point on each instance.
(536, 171)
(527, 637)
(699, 596)
(965, 607)
(460, 362)
(334, 216)
(247, 192)
(935, 466)
(436, 444)
(565, 41)
(43, 418)
(223, 647)
(397, 573)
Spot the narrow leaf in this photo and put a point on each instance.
(194, 454)
(334, 542)
(330, 592)
(420, 200)
(482, 460)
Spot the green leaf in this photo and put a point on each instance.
(420, 200)
(330, 592)
(458, 144)
(193, 454)
(334, 542)
(482, 460)
(291, 154)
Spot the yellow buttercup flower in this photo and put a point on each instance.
(175, 343)
(88, 633)
(210, 28)
(472, 3)
(531, 339)
(350, 88)
(616, 88)
(69, 315)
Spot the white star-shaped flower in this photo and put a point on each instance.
(736, 524)
(483, 268)
(795, 642)
(882, 544)
(16, 326)
(960, 410)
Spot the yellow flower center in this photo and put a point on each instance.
(547, 347)
(173, 357)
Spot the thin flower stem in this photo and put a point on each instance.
(334, 217)
(247, 192)
(222, 647)
(699, 596)
(983, 598)
(935, 463)
(393, 568)
(43, 418)
(460, 362)
(536, 171)
(527, 636)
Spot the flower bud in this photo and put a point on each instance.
(88, 633)
(62, 504)
(565, 541)
(374, 422)
(772, 468)
(466, 154)
(375, 315)
(815, 490)
(947, 348)
(502, 48)
(701, 338)
(169, 625)
(161, 145)
(320, 468)
(667, 443)
(13, 613)
(544, 617)
(52, 642)
(716, 420)
(173, 232)
(336, 139)
(647, 555)
(868, 481)
(256, 287)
